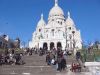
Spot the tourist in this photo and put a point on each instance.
(59, 63)
(21, 59)
(63, 63)
(13, 51)
(48, 59)
(78, 55)
(30, 52)
(1, 59)
(17, 58)
(11, 60)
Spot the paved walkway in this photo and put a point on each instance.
(35, 65)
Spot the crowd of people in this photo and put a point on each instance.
(55, 58)
(12, 56)
(31, 51)
(9, 57)
(77, 66)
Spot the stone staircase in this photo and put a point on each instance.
(70, 59)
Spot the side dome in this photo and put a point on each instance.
(41, 22)
(69, 21)
(56, 10)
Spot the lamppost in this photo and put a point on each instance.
(70, 37)
(28, 43)
(23, 43)
(73, 32)
(66, 38)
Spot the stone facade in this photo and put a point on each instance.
(57, 32)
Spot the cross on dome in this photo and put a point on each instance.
(56, 2)
(56, 10)
(68, 14)
(41, 22)
(42, 16)
(69, 20)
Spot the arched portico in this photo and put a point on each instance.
(59, 45)
(45, 46)
(51, 45)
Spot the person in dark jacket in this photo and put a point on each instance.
(78, 55)
(48, 59)
(59, 63)
(17, 58)
(63, 63)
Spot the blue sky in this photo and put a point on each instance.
(18, 18)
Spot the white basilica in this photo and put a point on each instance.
(57, 32)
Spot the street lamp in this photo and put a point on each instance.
(73, 32)
(70, 37)
(66, 37)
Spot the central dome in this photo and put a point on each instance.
(56, 10)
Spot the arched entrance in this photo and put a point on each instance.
(59, 46)
(45, 46)
(51, 45)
